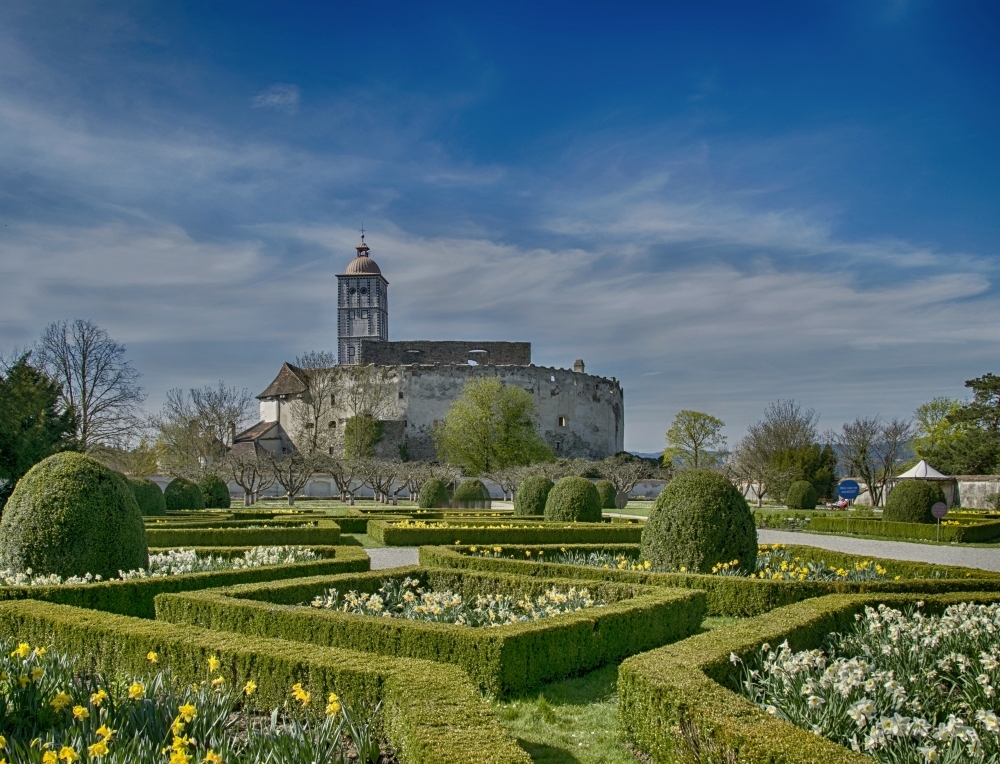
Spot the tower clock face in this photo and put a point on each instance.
(352, 290)
(364, 290)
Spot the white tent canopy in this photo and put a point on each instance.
(923, 470)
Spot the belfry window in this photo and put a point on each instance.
(562, 421)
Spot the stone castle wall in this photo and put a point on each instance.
(381, 353)
(579, 415)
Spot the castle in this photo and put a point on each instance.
(579, 415)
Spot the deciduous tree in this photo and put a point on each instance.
(692, 436)
(96, 380)
(491, 425)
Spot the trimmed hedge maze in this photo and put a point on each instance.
(316, 532)
(675, 701)
(972, 533)
(501, 660)
(432, 712)
(731, 596)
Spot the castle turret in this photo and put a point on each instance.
(362, 305)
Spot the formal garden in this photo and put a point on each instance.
(134, 632)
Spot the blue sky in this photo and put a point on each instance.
(720, 204)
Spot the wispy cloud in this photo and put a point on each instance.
(280, 96)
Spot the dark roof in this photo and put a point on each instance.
(290, 381)
(245, 447)
(252, 433)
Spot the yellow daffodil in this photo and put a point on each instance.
(180, 743)
(211, 757)
(213, 663)
(37, 673)
(105, 732)
(50, 757)
(250, 688)
(332, 705)
(60, 701)
(98, 697)
(3, 742)
(136, 691)
(40, 651)
(67, 754)
(177, 727)
(153, 657)
(187, 712)
(180, 757)
(98, 749)
(301, 695)
(22, 651)
(80, 713)
(24, 680)
(218, 681)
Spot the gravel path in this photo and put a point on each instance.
(393, 557)
(969, 557)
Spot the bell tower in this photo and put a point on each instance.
(362, 305)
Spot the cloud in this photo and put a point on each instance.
(280, 96)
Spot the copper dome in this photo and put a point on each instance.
(362, 264)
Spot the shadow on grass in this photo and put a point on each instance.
(541, 753)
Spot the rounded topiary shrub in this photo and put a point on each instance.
(215, 492)
(70, 515)
(471, 494)
(607, 493)
(573, 499)
(181, 493)
(433, 495)
(148, 496)
(910, 501)
(531, 495)
(700, 519)
(801, 495)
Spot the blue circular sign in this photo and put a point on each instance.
(848, 489)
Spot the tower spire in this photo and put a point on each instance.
(362, 248)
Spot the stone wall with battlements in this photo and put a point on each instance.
(383, 353)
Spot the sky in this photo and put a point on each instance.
(719, 204)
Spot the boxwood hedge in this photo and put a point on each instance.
(674, 700)
(501, 660)
(322, 532)
(391, 534)
(970, 534)
(732, 596)
(432, 712)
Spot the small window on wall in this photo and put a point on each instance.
(333, 399)
(364, 314)
(562, 421)
(333, 425)
(558, 445)
(400, 395)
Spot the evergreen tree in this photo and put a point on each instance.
(32, 424)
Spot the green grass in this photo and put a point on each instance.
(570, 722)
(360, 539)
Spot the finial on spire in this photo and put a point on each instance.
(363, 248)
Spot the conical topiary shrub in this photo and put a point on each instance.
(70, 515)
(698, 521)
(573, 499)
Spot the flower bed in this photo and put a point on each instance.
(676, 700)
(905, 688)
(175, 562)
(60, 710)
(431, 714)
(726, 595)
(407, 599)
(325, 532)
(135, 596)
(417, 533)
(502, 660)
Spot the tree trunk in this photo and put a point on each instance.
(246, 499)
(291, 499)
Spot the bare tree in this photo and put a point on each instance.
(293, 471)
(624, 472)
(508, 478)
(313, 411)
(380, 474)
(195, 429)
(751, 466)
(344, 473)
(416, 474)
(251, 468)
(97, 380)
(872, 450)
(368, 394)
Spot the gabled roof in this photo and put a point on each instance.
(290, 381)
(253, 433)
